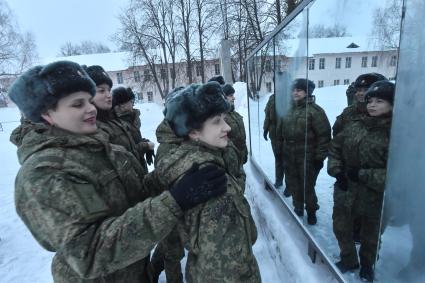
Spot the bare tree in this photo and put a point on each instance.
(17, 51)
(185, 18)
(386, 25)
(84, 47)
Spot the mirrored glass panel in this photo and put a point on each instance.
(253, 107)
(353, 46)
(402, 252)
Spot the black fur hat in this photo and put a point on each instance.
(121, 95)
(189, 107)
(218, 79)
(366, 80)
(99, 75)
(304, 84)
(41, 87)
(381, 89)
(228, 90)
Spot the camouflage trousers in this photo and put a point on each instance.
(294, 180)
(345, 213)
(278, 160)
(167, 256)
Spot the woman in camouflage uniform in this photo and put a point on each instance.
(306, 135)
(221, 232)
(357, 159)
(82, 197)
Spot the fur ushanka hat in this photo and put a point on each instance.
(41, 87)
(305, 85)
(121, 95)
(189, 107)
(228, 90)
(99, 75)
(366, 80)
(218, 79)
(383, 90)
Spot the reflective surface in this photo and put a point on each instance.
(330, 43)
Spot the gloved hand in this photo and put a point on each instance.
(265, 134)
(199, 185)
(150, 154)
(353, 174)
(341, 182)
(318, 164)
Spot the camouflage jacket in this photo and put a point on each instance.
(220, 232)
(26, 126)
(83, 199)
(350, 114)
(302, 118)
(271, 122)
(237, 135)
(363, 145)
(120, 133)
(167, 140)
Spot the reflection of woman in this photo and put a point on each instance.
(80, 196)
(304, 158)
(357, 159)
(221, 232)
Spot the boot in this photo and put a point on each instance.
(366, 273)
(286, 193)
(299, 212)
(311, 218)
(344, 268)
(278, 184)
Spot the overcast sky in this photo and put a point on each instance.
(54, 22)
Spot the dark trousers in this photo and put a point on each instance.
(278, 160)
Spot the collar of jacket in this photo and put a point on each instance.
(104, 115)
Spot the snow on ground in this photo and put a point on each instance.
(281, 253)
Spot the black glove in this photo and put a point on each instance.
(199, 185)
(150, 154)
(341, 182)
(265, 134)
(318, 164)
(353, 174)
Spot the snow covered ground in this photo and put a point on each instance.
(281, 252)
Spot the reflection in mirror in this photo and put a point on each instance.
(402, 254)
(350, 49)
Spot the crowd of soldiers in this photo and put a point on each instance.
(357, 156)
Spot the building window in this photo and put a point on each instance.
(163, 73)
(321, 63)
(374, 61)
(217, 69)
(268, 66)
(311, 63)
(140, 95)
(119, 78)
(147, 75)
(347, 62)
(269, 87)
(338, 63)
(136, 76)
(150, 96)
(364, 61)
(346, 81)
(172, 74)
(336, 82)
(198, 71)
(393, 61)
(320, 83)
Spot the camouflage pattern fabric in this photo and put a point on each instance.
(272, 124)
(82, 198)
(26, 126)
(363, 145)
(350, 114)
(220, 232)
(237, 135)
(305, 120)
(167, 140)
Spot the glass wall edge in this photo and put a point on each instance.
(277, 29)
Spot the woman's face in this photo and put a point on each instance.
(125, 107)
(103, 97)
(298, 94)
(360, 92)
(74, 113)
(378, 106)
(214, 132)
